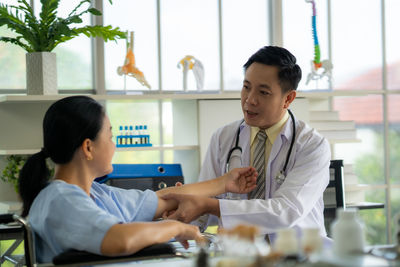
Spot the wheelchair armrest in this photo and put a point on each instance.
(77, 257)
(6, 218)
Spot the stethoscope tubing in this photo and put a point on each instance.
(289, 152)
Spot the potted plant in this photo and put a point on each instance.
(14, 163)
(40, 35)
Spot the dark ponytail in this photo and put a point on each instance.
(34, 176)
(66, 124)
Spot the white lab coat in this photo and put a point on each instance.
(297, 202)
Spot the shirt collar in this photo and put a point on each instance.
(273, 131)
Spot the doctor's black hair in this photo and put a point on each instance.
(66, 124)
(289, 73)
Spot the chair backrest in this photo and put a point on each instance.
(336, 182)
(334, 196)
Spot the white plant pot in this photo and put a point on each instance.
(41, 73)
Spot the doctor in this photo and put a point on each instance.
(292, 159)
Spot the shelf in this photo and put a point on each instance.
(156, 95)
(326, 94)
(146, 96)
(122, 149)
(19, 151)
(157, 148)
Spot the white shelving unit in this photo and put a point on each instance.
(21, 121)
(120, 149)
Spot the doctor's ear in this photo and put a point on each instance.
(290, 96)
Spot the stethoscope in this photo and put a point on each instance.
(236, 152)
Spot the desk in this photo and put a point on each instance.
(326, 259)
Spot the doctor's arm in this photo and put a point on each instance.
(191, 207)
(239, 180)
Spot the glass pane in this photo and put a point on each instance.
(392, 43)
(136, 157)
(395, 216)
(168, 156)
(356, 46)
(374, 219)
(244, 30)
(12, 63)
(167, 123)
(12, 60)
(138, 112)
(394, 137)
(74, 57)
(298, 38)
(365, 156)
(189, 27)
(138, 16)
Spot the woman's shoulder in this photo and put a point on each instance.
(57, 192)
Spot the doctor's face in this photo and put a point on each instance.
(263, 103)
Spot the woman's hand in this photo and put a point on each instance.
(188, 232)
(241, 180)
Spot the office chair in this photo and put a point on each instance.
(72, 257)
(337, 184)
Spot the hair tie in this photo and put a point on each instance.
(44, 152)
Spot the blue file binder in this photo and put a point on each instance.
(143, 176)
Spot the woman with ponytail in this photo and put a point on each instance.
(72, 211)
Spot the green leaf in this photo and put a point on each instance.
(106, 32)
(94, 11)
(45, 33)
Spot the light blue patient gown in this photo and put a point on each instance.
(63, 216)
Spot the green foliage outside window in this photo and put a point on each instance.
(369, 169)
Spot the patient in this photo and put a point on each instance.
(70, 210)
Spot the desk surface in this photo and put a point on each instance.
(325, 259)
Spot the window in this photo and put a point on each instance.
(138, 16)
(392, 44)
(12, 60)
(244, 31)
(298, 38)
(74, 58)
(189, 27)
(357, 46)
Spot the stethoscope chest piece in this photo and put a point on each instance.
(280, 177)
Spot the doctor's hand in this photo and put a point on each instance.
(190, 207)
(241, 180)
